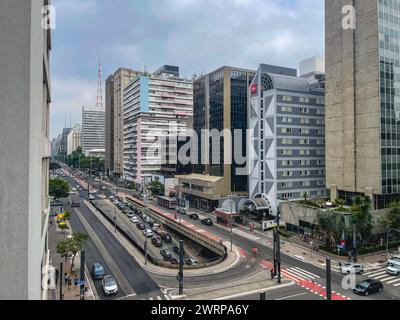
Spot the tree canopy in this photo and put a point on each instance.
(58, 188)
(72, 246)
(155, 187)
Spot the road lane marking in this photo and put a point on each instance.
(312, 275)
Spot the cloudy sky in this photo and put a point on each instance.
(197, 35)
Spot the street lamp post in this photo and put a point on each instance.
(231, 224)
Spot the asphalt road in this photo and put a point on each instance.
(102, 247)
(249, 268)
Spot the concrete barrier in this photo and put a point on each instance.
(190, 231)
(152, 259)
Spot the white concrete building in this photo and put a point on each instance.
(25, 96)
(74, 139)
(153, 107)
(93, 129)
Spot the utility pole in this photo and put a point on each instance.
(263, 296)
(181, 264)
(82, 286)
(354, 243)
(328, 280)
(277, 248)
(231, 224)
(60, 279)
(147, 225)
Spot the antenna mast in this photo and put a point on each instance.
(99, 88)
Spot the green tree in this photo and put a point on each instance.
(331, 224)
(71, 247)
(362, 216)
(58, 188)
(392, 218)
(155, 187)
(54, 166)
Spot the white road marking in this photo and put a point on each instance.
(306, 272)
(292, 296)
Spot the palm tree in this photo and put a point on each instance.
(331, 224)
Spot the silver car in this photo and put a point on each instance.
(109, 285)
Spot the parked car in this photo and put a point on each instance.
(174, 260)
(393, 269)
(182, 211)
(97, 272)
(157, 242)
(194, 216)
(176, 249)
(166, 238)
(191, 262)
(167, 255)
(355, 268)
(207, 222)
(368, 287)
(141, 226)
(134, 219)
(109, 285)
(148, 233)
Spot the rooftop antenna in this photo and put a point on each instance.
(99, 103)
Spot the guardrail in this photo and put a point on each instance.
(204, 238)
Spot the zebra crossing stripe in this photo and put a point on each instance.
(295, 275)
(376, 274)
(387, 278)
(166, 297)
(396, 285)
(159, 298)
(382, 276)
(151, 298)
(311, 275)
(393, 281)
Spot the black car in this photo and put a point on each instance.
(141, 226)
(157, 242)
(368, 287)
(176, 249)
(166, 238)
(166, 254)
(207, 222)
(194, 216)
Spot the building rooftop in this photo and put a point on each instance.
(200, 177)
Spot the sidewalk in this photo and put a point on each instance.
(57, 235)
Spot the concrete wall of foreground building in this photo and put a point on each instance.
(352, 100)
(25, 145)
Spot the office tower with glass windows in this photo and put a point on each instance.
(363, 101)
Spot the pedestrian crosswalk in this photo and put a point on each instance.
(159, 298)
(382, 275)
(296, 273)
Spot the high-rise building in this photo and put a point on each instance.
(74, 139)
(93, 129)
(153, 107)
(167, 71)
(63, 152)
(220, 103)
(25, 98)
(287, 150)
(115, 85)
(363, 101)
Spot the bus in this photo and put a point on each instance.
(166, 202)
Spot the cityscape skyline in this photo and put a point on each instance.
(295, 32)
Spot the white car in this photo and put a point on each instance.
(109, 285)
(148, 233)
(352, 268)
(393, 269)
(394, 259)
(134, 220)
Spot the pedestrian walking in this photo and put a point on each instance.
(69, 283)
(76, 281)
(65, 278)
(57, 275)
